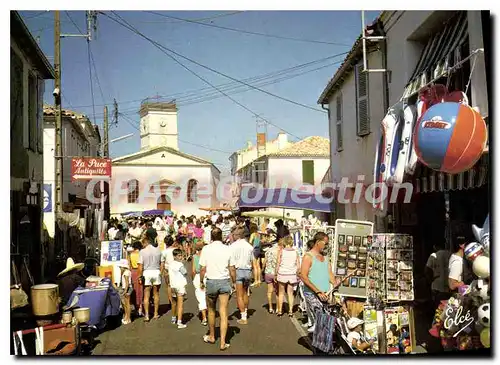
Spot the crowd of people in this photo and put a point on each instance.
(220, 256)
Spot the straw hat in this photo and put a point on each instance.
(71, 266)
(352, 323)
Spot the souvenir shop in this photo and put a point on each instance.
(436, 138)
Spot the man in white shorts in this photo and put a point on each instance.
(150, 268)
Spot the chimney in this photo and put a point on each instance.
(249, 144)
(282, 140)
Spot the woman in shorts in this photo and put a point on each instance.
(287, 271)
(269, 267)
(255, 242)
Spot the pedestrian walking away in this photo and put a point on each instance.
(150, 268)
(215, 265)
(241, 259)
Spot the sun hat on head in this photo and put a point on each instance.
(352, 323)
(71, 266)
(123, 264)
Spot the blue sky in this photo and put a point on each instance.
(130, 69)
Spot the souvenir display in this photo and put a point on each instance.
(309, 231)
(398, 333)
(390, 268)
(375, 290)
(370, 326)
(351, 254)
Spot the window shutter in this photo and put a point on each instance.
(308, 172)
(339, 137)
(40, 90)
(363, 113)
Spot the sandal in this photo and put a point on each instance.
(156, 317)
(225, 347)
(271, 311)
(290, 314)
(279, 314)
(206, 339)
(146, 319)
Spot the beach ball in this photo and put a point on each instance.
(483, 314)
(450, 137)
(481, 267)
(485, 337)
(473, 250)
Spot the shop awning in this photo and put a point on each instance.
(426, 180)
(284, 198)
(441, 52)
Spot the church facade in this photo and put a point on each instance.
(160, 176)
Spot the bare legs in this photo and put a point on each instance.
(281, 294)
(289, 290)
(223, 301)
(270, 291)
(147, 293)
(211, 302)
(126, 309)
(257, 271)
(156, 294)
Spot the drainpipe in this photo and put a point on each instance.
(333, 215)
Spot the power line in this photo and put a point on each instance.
(91, 58)
(157, 45)
(131, 122)
(164, 49)
(199, 20)
(36, 15)
(262, 77)
(247, 32)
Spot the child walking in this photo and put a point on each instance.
(199, 293)
(125, 291)
(177, 274)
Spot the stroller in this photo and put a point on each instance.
(334, 343)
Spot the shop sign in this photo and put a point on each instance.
(111, 252)
(88, 168)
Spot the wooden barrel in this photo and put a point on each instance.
(45, 299)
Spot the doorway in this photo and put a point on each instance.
(163, 203)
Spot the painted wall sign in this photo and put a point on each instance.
(47, 198)
(87, 168)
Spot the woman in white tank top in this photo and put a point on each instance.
(287, 268)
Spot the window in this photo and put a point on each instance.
(133, 191)
(32, 112)
(192, 191)
(308, 172)
(363, 115)
(338, 122)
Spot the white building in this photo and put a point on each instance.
(301, 163)
(29, 68)
(358, 101)
(160, 176)
(80, 138)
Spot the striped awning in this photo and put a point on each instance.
(426, 180)
(441, 52)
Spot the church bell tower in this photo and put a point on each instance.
(158, 124)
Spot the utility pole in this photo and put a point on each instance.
(106, 129)
(58, 115)
(105, 154)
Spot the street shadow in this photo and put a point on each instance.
(187, 317)
(231, 332)
(305, 342)
(164, 309)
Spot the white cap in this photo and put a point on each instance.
(352, 323)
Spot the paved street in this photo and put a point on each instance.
(264, 335)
